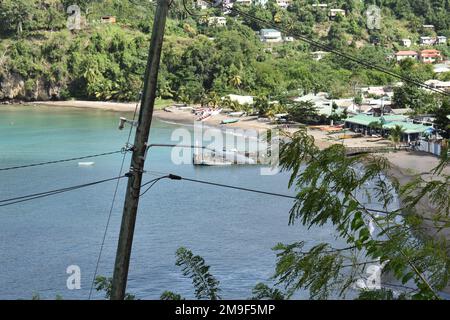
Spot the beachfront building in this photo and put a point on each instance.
(242, 100)
(402, 55)
(324, 105)
(370, 125)
(270, 35)
(430, 56)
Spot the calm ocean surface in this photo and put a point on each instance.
(233, 230)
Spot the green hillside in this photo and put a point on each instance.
(41, 59)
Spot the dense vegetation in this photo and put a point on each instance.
(41, 59)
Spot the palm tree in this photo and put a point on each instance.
(396, 134)
(236, 81)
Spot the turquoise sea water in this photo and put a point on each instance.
(234, 231)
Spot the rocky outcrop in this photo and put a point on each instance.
(15, 87)
(12, 86)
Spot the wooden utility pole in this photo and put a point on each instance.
(120, 276)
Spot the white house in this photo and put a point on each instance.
(441, 40)
(242, 100)
(202, 4)
(427, 41)
(406, 42)
(437, 84)
(337, 12)
(288, 39)
(217, 21)
(319, 55)
(270, 35)
(442, 67)
(320, 5)
(428, 26)
(284, 3)
(244, 2)
(402, 55)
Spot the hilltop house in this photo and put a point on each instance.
(430, 56)
(108, 19)
(244, 2)
(201, 4)
(319, 55)
(217, 21)
(283, 4)
(427, 41)
(441, 40)
(437, 84)
(336, 12)
(406, 42)
(320, 5)
(442, 67)
(270, 35)
(402, 55)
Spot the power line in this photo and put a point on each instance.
(176, 177)
(64, 160)
(327, 48)
(33, 196)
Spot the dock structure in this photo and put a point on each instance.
(224, 158)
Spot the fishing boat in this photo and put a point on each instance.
(86, 164)
(228, 121)
(236, 114)
(208, 113)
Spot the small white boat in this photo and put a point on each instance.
(236, 114)
(86, 164)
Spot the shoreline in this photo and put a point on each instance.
(405, 165)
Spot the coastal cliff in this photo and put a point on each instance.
(15, 87)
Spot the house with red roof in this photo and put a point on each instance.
(430, 56)
(402, 55)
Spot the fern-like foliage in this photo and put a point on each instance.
(193, 266)
(169, 295)
(263, 292)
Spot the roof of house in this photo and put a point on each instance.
(392, 118)
(408, 127)
(406, 53)
(395, 120)
(269, 30)
(363, 119)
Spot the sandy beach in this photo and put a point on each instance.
(404, 165)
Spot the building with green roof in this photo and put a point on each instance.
(368, 125)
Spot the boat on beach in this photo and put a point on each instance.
(205, 114)
(228, 121)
